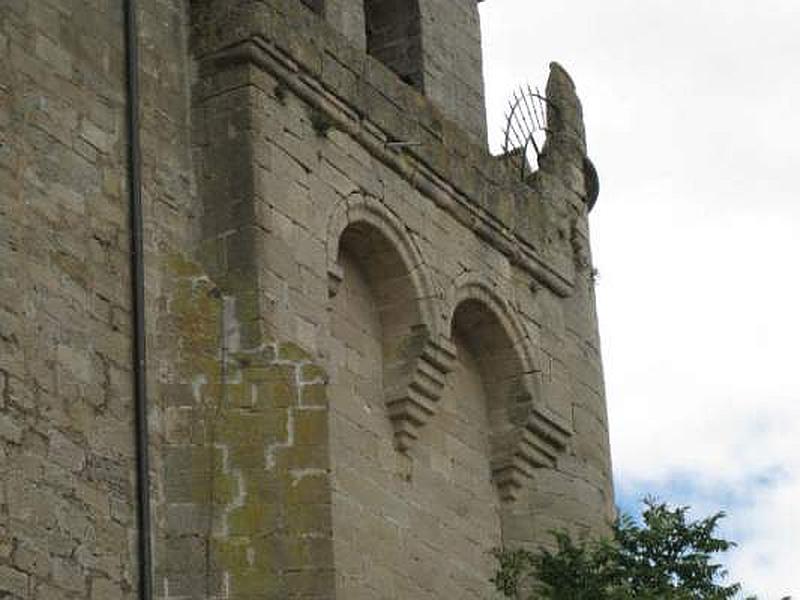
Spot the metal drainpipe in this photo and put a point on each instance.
(137, 284)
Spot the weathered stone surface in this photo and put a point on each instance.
(13, 582)
(103, 589)
(369, 362)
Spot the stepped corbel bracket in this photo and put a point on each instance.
(535, 445)
(415, 406)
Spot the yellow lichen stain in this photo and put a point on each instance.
(196, 307)
(245, 422)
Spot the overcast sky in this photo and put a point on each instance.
(692, 110)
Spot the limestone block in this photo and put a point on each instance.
(13, 582)
(66, 453)
(104, 589)
(10, 430)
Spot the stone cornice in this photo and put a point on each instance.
(317, 64)
(464, 208)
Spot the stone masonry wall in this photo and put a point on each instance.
(368, 365)
(433, 45)
(67, 527)
(394, 37)
(245, 475)
(347, 17)
(453, 63)
(310, 214)
(66, 451)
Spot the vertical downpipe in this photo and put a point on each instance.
(137, 284)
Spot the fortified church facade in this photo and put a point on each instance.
(371, 347)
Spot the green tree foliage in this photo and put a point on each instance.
(668, 557)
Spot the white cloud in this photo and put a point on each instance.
(692, 120)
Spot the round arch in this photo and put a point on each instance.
(362, 209)
(470, 288)
(421, 354)
(486, 324)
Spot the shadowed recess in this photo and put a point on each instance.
(394, 37)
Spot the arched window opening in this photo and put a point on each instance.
(318, 6)
(394, 37)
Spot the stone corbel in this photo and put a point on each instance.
(416, 402)
(534, 444)
(335, 278)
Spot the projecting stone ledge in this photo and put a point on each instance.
(417, 405)
(362, 98)
(537, 445)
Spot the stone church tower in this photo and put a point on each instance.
(371, 347)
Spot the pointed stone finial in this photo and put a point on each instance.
(566, 118)
(564, 155)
